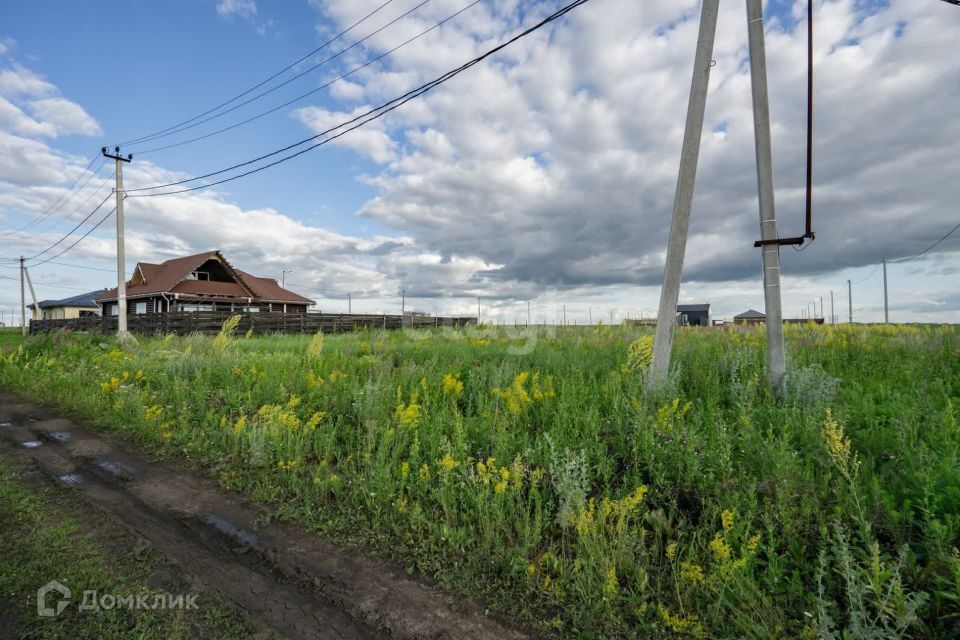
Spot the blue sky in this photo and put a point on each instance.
(546, 173)
(139, 67)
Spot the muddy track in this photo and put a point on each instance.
(283, 577)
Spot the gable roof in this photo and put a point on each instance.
(692, 307)
(268, 290)
(82, 300)
(166, 276)
(169, 277)
(750, 314)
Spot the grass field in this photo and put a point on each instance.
(544, 481)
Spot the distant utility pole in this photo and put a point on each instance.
(403, 304)
(683, 199)
(528, 313)
(23, 303)
(564, 315)
(886, 306)
(478, 310)
(283, 277)
(833, 318)
(590, 314)
(349, 304)
(821, 307)
(121, 259)
(850, 301)
(611, 317)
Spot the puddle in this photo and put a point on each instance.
(57, 436)
(72, 479)
(31, 444)
(231, 530)
(117, 469)
(4, 425)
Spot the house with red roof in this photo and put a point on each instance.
(202, 282)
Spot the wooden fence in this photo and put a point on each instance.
(209, 322)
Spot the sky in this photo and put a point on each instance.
(543, 174)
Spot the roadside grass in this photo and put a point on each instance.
(44, 536)
(547, 482)
(10, 338)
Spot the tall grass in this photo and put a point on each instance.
(550, 485)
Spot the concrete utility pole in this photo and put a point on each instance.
(850, 301)
(611, 317)
(403, 305)
(776, 353)
(121, 258)
(23, 303)
(478, 310)
(528, 313)
(886, 306)
(349, 304)
(33, 294)
(683, 200)
(283, 277)
(590, 314)
(564, 315)
(833, 318)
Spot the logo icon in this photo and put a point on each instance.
(59, 588)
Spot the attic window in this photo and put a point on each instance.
(199, 275)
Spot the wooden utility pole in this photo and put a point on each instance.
(121, 258)
(683, 199)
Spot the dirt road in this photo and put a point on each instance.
(279, 575)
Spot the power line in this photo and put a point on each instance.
(312, 91)
(47, 284)
(285, 82)
(258, 85)
(46, 212)
(928, 249)
(869, 275)
(79, 224)
(370, 115)
(78, 240)
(82, 266)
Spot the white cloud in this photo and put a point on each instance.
(18, 81)
(13, 119)
(66, 116)
(242, 8)
(370, 140)
(7, 45)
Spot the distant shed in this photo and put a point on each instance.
(750, 317)
(693, 315)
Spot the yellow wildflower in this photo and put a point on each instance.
(672, 550)
(452, 385)
(720, 549)
(152, 413)
(611, 586)
(425, 472)
(692, 573)
(726, 518)
(447, 463)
